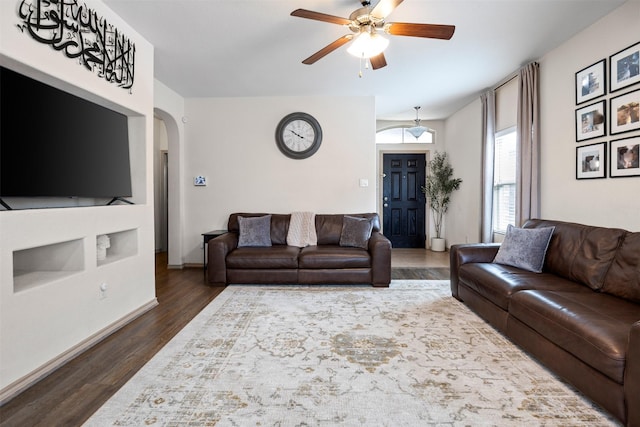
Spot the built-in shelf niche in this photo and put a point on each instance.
(122, 244)
(43, 264)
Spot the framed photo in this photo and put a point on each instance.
(590, 82)
(624, 157)
(625, 112)
(591, 161)
(590, 121)
(625, 67)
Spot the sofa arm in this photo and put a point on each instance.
(380, 250)
(632, 377)
(218, 249)
(465, 253)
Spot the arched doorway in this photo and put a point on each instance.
(173, 192)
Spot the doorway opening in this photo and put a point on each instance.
(161, 185)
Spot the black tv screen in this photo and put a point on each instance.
(54, 144)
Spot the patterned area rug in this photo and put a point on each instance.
(410, 355)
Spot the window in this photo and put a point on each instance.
(400, 135)
(504, 180)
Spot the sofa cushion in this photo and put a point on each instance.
(329, 229)
(329, 226)
(497, 282)
(594, 327)
(333, 257)
(254, 231)
(524, 248)
(279, 225)
(579, 252)
(623, 278)
(276, 256)
(355, 232)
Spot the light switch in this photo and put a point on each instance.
(364, 182)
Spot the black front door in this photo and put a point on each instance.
(403, 206)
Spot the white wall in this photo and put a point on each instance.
(231, 141)
(603, 202)
(43, 323)
(464, 149)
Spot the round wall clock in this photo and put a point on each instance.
(298, 135)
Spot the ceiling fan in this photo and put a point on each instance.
(365, 23)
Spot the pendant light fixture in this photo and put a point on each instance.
(417, 130)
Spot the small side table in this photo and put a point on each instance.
(205, 238)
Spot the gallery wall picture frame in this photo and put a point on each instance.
(624, 113)
(591, 161)
(624, 155)
(624, 68)
(591, 82)
(591, 121)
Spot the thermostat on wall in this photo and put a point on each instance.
(200, 181)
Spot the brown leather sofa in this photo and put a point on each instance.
(580, 317)
(328, 262)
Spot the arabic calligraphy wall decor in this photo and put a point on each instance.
(78, 32)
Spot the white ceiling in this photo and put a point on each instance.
(248, 48)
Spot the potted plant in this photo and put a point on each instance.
(437, 189)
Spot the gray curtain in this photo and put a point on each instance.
(528, 145)
(488, 100)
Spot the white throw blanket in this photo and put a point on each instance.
(302, 230)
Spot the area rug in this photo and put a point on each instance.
(410, 355)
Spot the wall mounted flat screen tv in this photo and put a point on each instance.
(55, 144)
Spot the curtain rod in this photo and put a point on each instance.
(505, 81)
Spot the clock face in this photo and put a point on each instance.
(298, 135)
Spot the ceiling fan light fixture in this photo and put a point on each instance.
(367, 45)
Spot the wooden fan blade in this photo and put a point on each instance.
(328, 49)
(384, 8)
(309, 14)
(431, 31)
(378, 61)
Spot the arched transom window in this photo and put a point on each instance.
(401, 135)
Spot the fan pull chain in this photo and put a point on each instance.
(366, 65)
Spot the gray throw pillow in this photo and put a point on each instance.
(254, 231)
(525, 248)
(355, 232)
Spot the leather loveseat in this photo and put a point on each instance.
(324, 263)
(580, 316)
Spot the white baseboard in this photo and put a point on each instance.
(17, 387)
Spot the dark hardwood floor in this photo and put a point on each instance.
(412, 273)
(71, 394)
